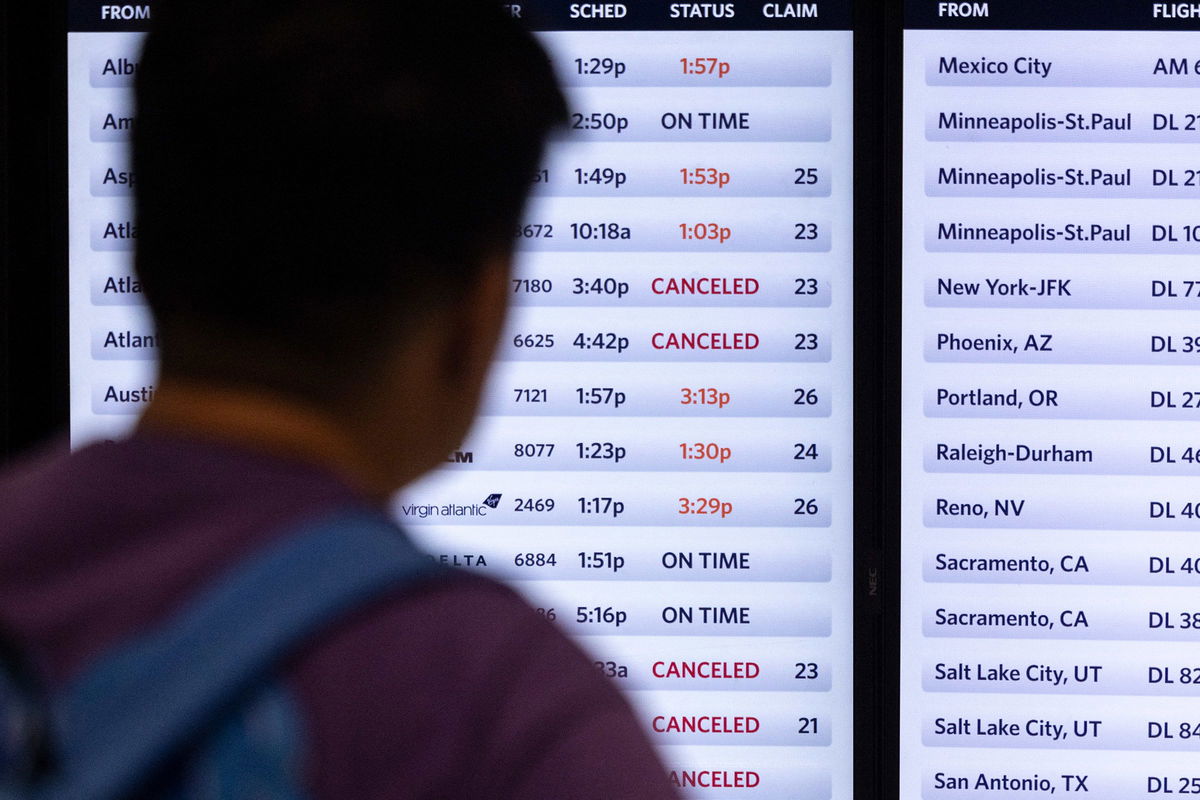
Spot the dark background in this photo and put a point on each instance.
(33, 269)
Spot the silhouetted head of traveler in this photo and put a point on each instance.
(326, 201)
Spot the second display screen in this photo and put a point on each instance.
(1049, 567)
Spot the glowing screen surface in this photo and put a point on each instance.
(663, 464)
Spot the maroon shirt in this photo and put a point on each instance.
(452, 688)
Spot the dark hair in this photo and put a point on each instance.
(313, 173)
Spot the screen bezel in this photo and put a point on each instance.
(34, 336)
(878, 151)
(34, 340)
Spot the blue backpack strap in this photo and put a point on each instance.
(148, 701)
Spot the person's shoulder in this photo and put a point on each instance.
(471, 608)
(447, 625)
(409, 685)
(456, 684)
(32, 469)
(37, 489)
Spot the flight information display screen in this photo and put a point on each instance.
(1050, 617)
(663, 465)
